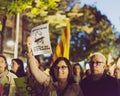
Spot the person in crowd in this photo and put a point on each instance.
(6, 78)
(78, 73)
(59, 82)
(27, 70)
(34, 88)
(99, 83)
(107, 70)
(87, 72)
(117, 73)
(17, 67)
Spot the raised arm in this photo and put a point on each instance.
(39, 75)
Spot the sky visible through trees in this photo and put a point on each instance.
(109, 8)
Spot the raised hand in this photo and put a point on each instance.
(29, 44)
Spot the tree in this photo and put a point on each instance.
(91, 31)
(29, 8)
(94, 33)
(116, 51)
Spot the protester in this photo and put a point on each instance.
(117, 73)
(87, 72)
(59, 82)
(7, 84)
(18, 67)
(78, 73)
(33, 87)
(99, 83)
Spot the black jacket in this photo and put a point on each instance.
(106, 86)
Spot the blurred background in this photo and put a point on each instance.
(92, 28)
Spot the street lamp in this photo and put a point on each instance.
(10, 43)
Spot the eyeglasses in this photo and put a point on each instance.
(61, 67)
(97, 63)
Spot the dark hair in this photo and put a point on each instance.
(5, 60)
(20, 72)
(81, 72)
(69, 79)
(88, 72)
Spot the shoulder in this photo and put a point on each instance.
(75, 88)
(11, 75)
(86, 80)
(109, 78)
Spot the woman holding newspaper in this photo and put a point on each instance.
(59, 82)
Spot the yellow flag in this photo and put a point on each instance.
(63, 46)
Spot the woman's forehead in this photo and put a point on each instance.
(62, 62)
(2, 59)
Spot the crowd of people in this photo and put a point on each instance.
(64, 78)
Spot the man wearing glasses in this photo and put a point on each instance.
(99, 83)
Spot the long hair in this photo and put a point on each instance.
(69, 79)
(81, 70)
(4, 60)
(20, 72)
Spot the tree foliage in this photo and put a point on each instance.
(30, 8)
(94, 33)
(90, 30)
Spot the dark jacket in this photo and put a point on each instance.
(106, 86)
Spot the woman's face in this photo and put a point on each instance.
(61, 71)
(14, 66)
(2, 65)
(77, 69)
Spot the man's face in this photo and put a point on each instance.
(2, 65)
(97, 65)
